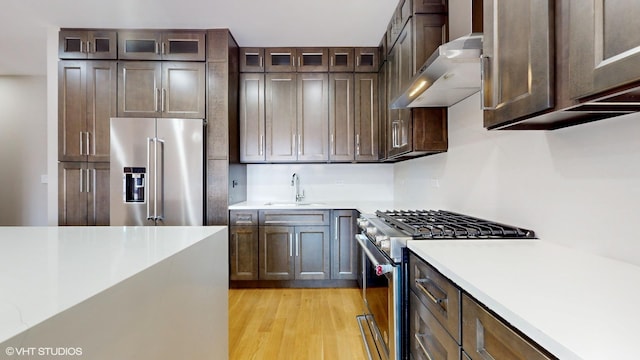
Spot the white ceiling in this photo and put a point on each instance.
(258, 23)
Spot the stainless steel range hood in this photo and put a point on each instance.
(451, 74)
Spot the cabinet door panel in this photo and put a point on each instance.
(101, 106)
(366, 117)
(280, 117)
(344, 260)
(139, 87)
(183, 90)
(183, 45)
(98, 194)
(252, 118)
(251, 60)
(484, 336)
(341, 59)
(312, 60)
(72, 195)
(428, 339)
(604, 51)
(367, 59)
(72, 44)
(276, 253)
(518, 59)
(243, 253)
(341, 117)
(102, 44)
(279, 59)
(313, 117)
(72, 110)
(139, 45)
(312, 252)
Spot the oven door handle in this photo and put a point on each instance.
(381, 269)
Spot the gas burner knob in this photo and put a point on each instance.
(381, 238)
(385, 245)
(362, 223)
(371, 230)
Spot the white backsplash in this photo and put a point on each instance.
(320, 182)
(578, 186)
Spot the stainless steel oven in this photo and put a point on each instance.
(381, 241)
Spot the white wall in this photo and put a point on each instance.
(321, 182)
(578, 186)
(23, 150)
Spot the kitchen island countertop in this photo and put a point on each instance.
(62, 275)
(575, 304)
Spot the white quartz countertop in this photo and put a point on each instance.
(575, 304)
(46, 270)
(365, 207)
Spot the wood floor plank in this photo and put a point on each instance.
(294, 324)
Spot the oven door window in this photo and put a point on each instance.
(377, 300)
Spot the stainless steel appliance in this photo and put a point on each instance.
(156, 173)
(382, 242)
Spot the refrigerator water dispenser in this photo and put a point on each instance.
(134, 184)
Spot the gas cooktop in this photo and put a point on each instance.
(440, 224)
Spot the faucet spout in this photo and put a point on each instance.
(295, 181)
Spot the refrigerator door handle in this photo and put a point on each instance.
(149, 141)
(161, 183)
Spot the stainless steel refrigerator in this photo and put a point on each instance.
(156, 173)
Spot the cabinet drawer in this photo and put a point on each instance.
(243, 217)
(427, 338)
(294, 217)
(487, 337)
(437, 293)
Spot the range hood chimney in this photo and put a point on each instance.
(452, 72)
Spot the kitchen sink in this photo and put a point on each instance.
(273, 203)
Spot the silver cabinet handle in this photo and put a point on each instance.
(163, 100)
(81, 142)
(88, 187)
(290, 246)
(81, 181)
(331, 62)
(358, 144)
(261, 150)
(422, 347)
(89, 47)
(261, 62)
(88, 134)
(298, 61)
(440, 301)
(81, 46)
(336, 228)
(488, 97)
(297, 244)
(156, 95)
(332, 145)
(299, 144)
(157, 50)
(164, 48)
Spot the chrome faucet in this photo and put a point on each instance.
(295, 181)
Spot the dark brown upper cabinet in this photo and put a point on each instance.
(604, 47)
(87, 44)
(296, 59)
(251, 60)
(429, 6)
(341, 117)
(161, 89)
(518, 74)
(367, 59)
(86, 103)
(341, 59)
(176, 45)
(280, 59)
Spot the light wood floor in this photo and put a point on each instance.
(300, 324)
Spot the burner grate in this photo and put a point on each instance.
(440, 224)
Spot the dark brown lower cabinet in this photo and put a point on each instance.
(294, 253)
(429, 340)
(344, 260)
(83, 193)
(484, 336)
(243, 253)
